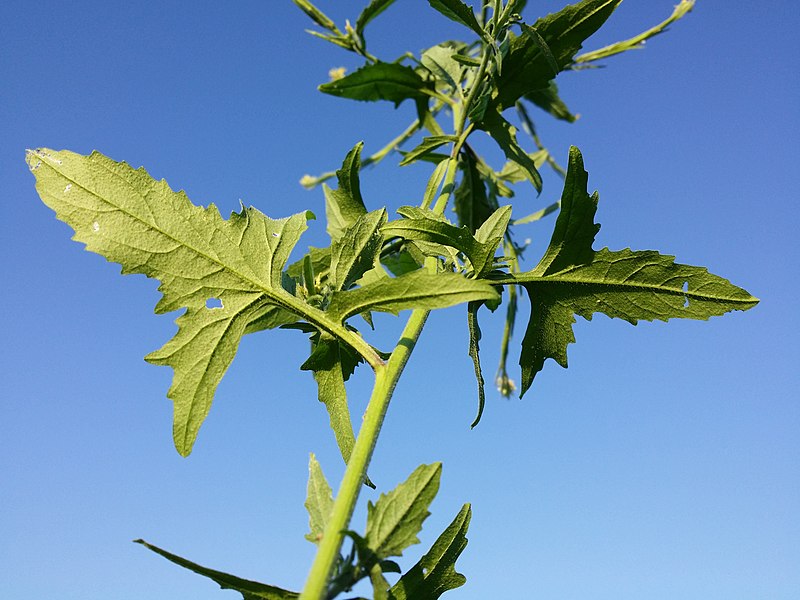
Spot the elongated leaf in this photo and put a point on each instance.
(459, 12)
(372, 10)
(472, 203)
(547, 99)
(356, 251)
(343, 206)
(378, 81)
(435, 573)
(637, 42)
(140, 223)
(250, 590)
(316, 14)
(475, 355)
(418, 289)
(527, 68)
(573, 279)
(505, 134)
(326, 363)
(428, 145)
(394, 521)
(319, 500)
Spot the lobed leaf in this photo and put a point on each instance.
(132, 219)
(475, 355)
(394, 521)
(573, 279)
(355, 252)
(250, 590)
(435, 572)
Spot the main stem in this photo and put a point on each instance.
(386, 378)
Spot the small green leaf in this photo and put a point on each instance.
(343, 206)
(319, 500)
(435, 572)
(250, 590)
(637, 42)
(547, 99)
(378, 81)
(428, 145)
(355, 252)
(573, 279)
(459, 12)
(372, 10)
(472, 204)
(417, 289)
(539, 214)
(505, 134)
(467, 61)
(326, 363)
(394, 521)
(316, 14)
(440, 61)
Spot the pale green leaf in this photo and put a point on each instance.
(440, 61)
(378, 81)
(316, 14)
(355, 252)
(539, 214)
(250, 590)
(435, 572)
(637, 42)
(344, 205)
(394, 521)
(132, 219)
(426, 146)
(573, 279)
(319, 500)
(417, 289)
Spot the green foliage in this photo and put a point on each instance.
(418, 262)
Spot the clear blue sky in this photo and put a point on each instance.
(664, 464)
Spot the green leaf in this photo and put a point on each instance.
(474, 353)
(372, 10)
(379, 81)
(428, 145)
(355, 252)
(430, 228)
(573, 279)
(539, 214)
(319, 500)
(435, 573)
(467, 61)
(417, 289)
(132, 219)
(250, 590)
(459, 12)
(343, 206)
(527, 68)
(472, 204)
(441, 62)
(316, 14)
(326, 363)
(637, 42)
(540, 42)
(547, 99)
(394, 521)
(505, 134)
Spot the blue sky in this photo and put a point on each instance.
(664, 463)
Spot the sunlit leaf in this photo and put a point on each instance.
(379, 81)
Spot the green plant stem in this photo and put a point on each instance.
(386, 378)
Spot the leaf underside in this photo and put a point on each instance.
(573, 279)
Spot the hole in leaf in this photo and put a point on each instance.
(95, 226)
(685, 297)
(213, 303)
